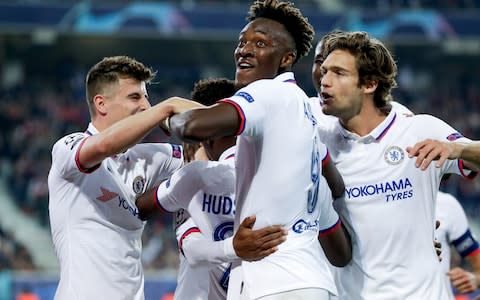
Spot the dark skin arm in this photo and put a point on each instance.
(200, 124)
(337, 247)
(334, 179)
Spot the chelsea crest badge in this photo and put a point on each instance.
(394, 155)
(138, 185)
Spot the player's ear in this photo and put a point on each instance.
(370, 86)
(100, 105)
(288, 59)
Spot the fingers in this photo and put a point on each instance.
(428, 151)
(248, 222)
(462, 280)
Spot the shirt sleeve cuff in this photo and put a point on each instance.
(228, 249)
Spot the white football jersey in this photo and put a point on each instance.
(278, 164)
(94, 221)
(192, 283)
(206, 190)
(453, 231)
(389, 207)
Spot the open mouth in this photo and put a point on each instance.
(243, 65)
(326, 97)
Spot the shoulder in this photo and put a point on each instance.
(69, 141)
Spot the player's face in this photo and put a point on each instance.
(261, 51)
(126, 98)
(339, 90)
(316, 68)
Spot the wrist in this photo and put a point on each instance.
(229, 250)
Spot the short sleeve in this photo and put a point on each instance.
(65, 155)
(176, 192)
(253, 105)
(430, 127)
(329, 219)
(457, 224)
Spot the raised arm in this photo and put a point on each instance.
(122, 135)
(197, 125)
(433, 150)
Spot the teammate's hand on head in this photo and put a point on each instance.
(252, 244)
(463, 281)
(429, 150)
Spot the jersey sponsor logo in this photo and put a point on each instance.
(454, 136)
(176, 151)
(392, 190)
(245, 96)
(123, 203)
(394, 155)
(138, 185)
(106, 195)
(218, 205)
(301, 226)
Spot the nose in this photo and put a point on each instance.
(244, 50)
(325, 79)
(145, 104)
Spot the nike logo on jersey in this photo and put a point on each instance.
(106, 195)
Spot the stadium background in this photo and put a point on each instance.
(46, 48)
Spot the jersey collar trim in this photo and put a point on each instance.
(375, 135)
(381, 130)
(91, 130)
(286, 77)
(229, 153)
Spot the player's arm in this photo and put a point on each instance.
(201, 250)
(251, 245)
(429, 150)
(121, 135)
(196, 125)
(247, 244)
(333, 177)
(467, 246)
(336, 244)
(466, 281)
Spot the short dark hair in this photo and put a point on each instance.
(209, 91)
(374, 61)
(109, 70)
(291, 17)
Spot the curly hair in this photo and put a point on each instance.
(209, 91)
(291, 17)
(109, 70)
(374, 61)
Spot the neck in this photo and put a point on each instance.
(365, 121)
(99, 124)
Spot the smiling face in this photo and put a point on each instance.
(122, 99)
(264, 49)
(339, 89)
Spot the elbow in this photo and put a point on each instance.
(341, 259)
(187, 127)
(338, 193)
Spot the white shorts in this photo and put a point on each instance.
(300, 294)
